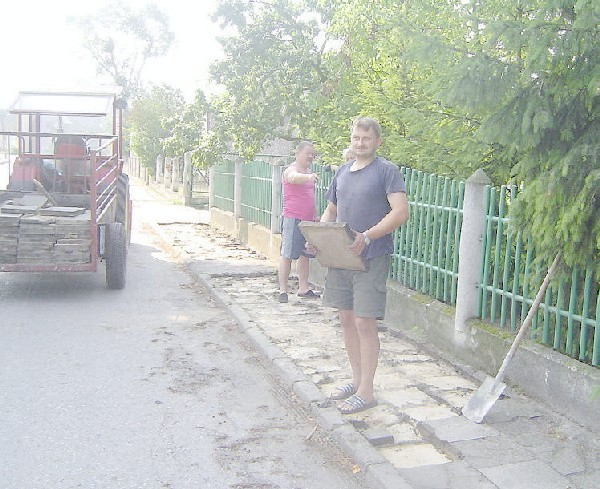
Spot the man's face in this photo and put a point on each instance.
(364, 142)
(305, 156)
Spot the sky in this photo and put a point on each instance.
(42, 51)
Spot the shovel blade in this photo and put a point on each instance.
(483, 399)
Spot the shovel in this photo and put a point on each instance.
(490, 390)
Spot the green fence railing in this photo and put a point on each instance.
(257, 182)
(223, 185)
(568, 319)
(425, 256)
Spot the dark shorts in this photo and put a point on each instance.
(293, 243)
(361, 292)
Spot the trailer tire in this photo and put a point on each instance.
(116, 255)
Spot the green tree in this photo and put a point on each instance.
(536, 82)
(121, 40)
(186, 127)
(272, 72)
(150, 122)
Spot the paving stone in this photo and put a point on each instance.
(423, 370)
(378, 437)
(449, 382)
(391, 381)
(532, 474)
(455, 398)
(458, 428)
(509, 408)
(307, 391)
(386, 476)
(404, 397)
(288, 371)
(426, 413)
(414, 455)
(384, 416)
(352, 441)
(404, 433)
(453, 475)
(587, 480)
(328, 417)
(492, 451)
(566, 460)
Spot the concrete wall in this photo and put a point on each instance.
(256, 237)
(560, 382)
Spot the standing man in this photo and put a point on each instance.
(369, 194)
(298, 182)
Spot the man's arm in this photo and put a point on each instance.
(330, 213)
(291, 175)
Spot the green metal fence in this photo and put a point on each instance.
(257, 183)
(325, 176)
(425, 256)
(223, 185)
(568, 319)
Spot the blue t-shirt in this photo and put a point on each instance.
(361, 199)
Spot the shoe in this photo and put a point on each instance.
(355, 404)
(342, 392)
(282, 297)
(309, 294)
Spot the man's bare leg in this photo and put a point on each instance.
(369, 355)
(302, 267)
(352, 343)
(285, 267)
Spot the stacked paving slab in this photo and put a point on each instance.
(31, 233)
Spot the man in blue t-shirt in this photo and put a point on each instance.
(369, 194)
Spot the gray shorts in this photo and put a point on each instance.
(361, 292)
(293, 243)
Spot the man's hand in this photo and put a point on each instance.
(310, 248)
(359, 244)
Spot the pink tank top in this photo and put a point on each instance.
(299, 200)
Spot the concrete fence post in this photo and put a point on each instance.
(237, 190)
(470, 249)
(276, 198)
(160, 164)
(175, 161)
(187, 179)
(211, 187)
(168, 168)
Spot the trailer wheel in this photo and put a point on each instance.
(116, 255)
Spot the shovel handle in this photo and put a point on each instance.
(530, 314)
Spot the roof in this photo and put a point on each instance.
(63, 103)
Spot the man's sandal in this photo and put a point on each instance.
(355, 404)
(342, 392)
(309, 294)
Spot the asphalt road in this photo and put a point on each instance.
(153, 386)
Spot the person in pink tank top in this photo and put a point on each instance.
(298, 184)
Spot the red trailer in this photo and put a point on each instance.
(66, 206)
